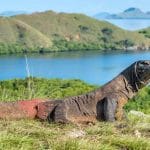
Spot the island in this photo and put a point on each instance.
(49, 31)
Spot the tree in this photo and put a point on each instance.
(107, 34)
(83, 28)
(126, 43)
(107, 31)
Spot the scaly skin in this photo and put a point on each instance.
(19, 110)
(105, 103)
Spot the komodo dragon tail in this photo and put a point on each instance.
(20, 109)
(28, 109)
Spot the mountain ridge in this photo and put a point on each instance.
(130, 13)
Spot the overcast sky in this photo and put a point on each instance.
(89, 7)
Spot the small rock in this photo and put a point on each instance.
(137, 133)
(76, 133)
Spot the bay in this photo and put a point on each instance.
(93, 67)
(130, 24)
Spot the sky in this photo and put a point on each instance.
(89, 7)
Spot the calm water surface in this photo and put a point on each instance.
(92, 67)
(131, 24)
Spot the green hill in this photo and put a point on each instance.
(50, 31)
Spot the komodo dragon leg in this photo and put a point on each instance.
(53, 111)
(110, 109)
(106, 109)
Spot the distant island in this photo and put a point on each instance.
(12, 13)
(49, 31)
(130, 13)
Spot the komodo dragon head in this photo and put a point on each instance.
(138, 74)
(142, 73)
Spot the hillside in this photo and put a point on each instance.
(16, 36)
(50, 31)
(130, 13)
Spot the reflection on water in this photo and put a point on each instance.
(91, 66)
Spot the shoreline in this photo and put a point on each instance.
(84, 50)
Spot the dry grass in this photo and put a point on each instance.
(28, 134)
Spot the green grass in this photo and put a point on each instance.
(30, 135)
(33, 134)
(141, 101)
(17, 89)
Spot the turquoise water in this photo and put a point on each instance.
(131, 24)
(92, 67)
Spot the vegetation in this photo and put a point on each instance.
(146, 32)
(140, 102)
(35, 135)
(32, 134)
(126, 43)
(50, 31)
(17, 89)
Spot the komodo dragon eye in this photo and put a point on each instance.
(144, 64)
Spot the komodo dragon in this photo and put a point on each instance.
(105, 103)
